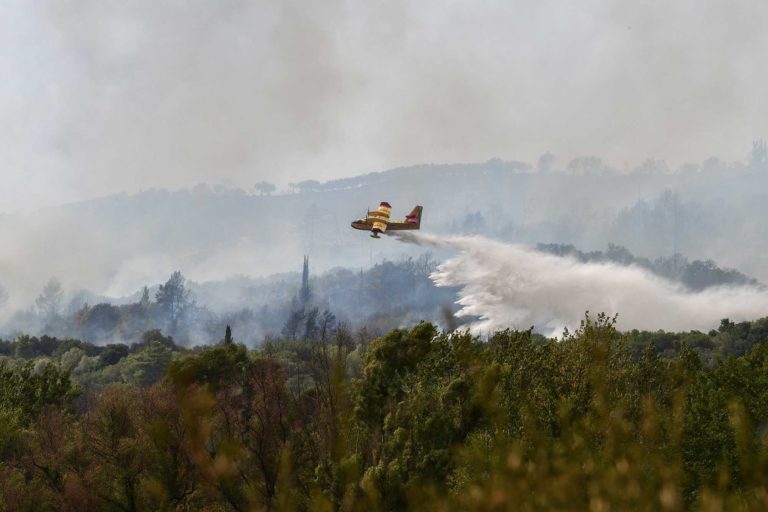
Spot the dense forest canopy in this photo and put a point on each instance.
(416, 418)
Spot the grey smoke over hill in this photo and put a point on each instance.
(117, 244)
(510, 285)
(107, 96)
(136, 103)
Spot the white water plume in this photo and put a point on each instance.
(508, 285)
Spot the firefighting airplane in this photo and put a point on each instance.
(378, 222)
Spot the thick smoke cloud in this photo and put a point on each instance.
(101, 96)
(514, 286)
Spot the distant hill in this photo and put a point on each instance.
(116, 244)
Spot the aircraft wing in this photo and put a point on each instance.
(401, 226)
(380, 219)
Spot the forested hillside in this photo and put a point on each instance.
(416, 418)
(713, 210)
(388, 295)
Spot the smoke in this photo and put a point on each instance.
(508, 285)
(107, 96)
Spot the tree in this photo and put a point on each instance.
(292, 325)
(101, 321)
(265, 187)
(32, 347)
(145, 301)
(306, 186)
(154, 336)
(170, 456)
(305, 294)
(228, 335)
(26, 391)
(758, 158)
(546, 163)
(49, 301)
(216, 367)
(652, 166)
(310, 324)
(326, 326)
(174, 299)
(147, 366)
(474, 223)
(112, 354)
(113, 439)
(588, 166)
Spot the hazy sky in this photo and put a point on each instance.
(100, 96)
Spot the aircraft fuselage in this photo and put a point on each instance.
(378, 222)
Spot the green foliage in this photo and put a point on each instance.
(417, 419)
(147, 366)
(730, 339)
(214, 367)
(30, 347)
(174, 299)
(155, 336)
(112, 354)
(25, 392)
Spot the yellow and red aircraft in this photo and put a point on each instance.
(378, 222)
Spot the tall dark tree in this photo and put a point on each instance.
(294, 322)
(310, 324)
(174, 300)
(305, 294)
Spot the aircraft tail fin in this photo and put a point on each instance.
(415, 216)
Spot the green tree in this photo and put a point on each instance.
(26, 392)
(146, 366)
(174, 300)
(114, 441)
(112, 354)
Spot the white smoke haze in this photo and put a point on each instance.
(508, 285)
(107, 96)
(103, 97)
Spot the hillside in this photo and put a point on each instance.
(116, 244)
